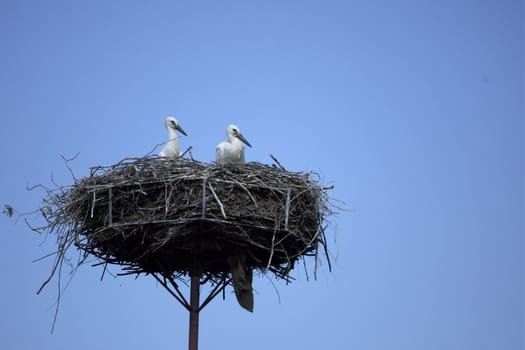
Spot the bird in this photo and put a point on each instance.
(171, 148)
(231, 151)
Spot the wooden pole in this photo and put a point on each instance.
(194, 312)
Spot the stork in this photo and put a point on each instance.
(232, 151)
(171, 148)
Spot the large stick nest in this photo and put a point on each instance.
(154, 215)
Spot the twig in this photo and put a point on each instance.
(287, 210)
(93, 203)
(154, 148)
(247, 191)
(110, 207)
(306, 270)
(272, 250)
(277, 162)
(186, 151)
(44, 257)
(69, 166)
(218, 201)
(275, 288)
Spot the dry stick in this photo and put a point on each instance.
(53, 271)
(326, 253)
(40, 229)
(110, 209)
(44, 257)
(186, 151)
(285, 237)
(271, 252)
(93, 204)
(58, 261)
(58, 297)
(287, 209)
(31, 188)
(315, 263)
(275, 288)
(218, 201)
(62, 248)
(314, 238)
(165, 199)
(154, 148)
(249, 193)
(103, 271)
(258, 185)
(278, 163)
(68, 166)
(306, 270)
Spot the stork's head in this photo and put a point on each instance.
(233, 131)
(172, 123)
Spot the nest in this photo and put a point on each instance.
(173, 217)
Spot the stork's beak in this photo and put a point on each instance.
(178, 127)
(243, 140)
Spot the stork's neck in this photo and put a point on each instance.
(172, 134)
(236, 142)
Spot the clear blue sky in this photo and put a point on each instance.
(412, 109)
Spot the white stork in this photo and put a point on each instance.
(171, 148)
(231, 151)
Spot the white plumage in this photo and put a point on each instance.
(171, 148)
(232, 151)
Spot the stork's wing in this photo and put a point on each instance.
(219, 157)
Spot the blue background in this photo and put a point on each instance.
(412, 109)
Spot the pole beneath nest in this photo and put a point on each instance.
(194, 312)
